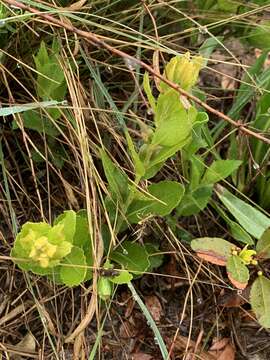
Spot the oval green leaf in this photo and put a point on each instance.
(219, 170)
(132, 257)
(73, 267)
(237, 272)
(124, 277)
(165, 196)
(82, 233)
(263, 245)
(260, 300)
(214, 250)
(251, 219)
(68, 220)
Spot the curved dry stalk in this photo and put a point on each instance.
(97, 41)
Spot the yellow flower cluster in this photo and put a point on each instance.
(42, 251)
(48, 248)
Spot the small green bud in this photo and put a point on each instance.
(260, 273)
(254, 262)
(104, 288)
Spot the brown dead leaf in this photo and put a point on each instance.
(212, 258)
(234, 298)
(223, 349)
(153, 305)
(181, 343)
(227, 83)
(26, 346)
(228, 353)
(219, 344)
(141, 356)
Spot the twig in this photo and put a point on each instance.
(95, 40)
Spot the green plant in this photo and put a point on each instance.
(54, 250)
(253, 175)
(240, 262)
(61, 251)
(51, 90)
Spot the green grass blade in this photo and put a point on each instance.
(150, 322)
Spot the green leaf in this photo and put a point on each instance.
(197, 170)
(117, 179)
(42, 57)
(138, 164)
(198, 137)
(73, 267)
(152, 170)
(173, 125)
(124, 277)
(168, 105)
(168, 192)
(237, 272)
(195, 201)
(37, 122)
(228, 5)
(160, 156)
(155, 258)
(166, 195)
(208, 47)
(260, 300)
(11, 110)
(68, 221)
(237, 232)
(219, 170)
(246, 91)
(132, 257)
(82, 234)
(215, 250)
(51, 82)
(263, 245)
(251, 219)
(148, 91)
(259, 37)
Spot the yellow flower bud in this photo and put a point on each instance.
(182, 71)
